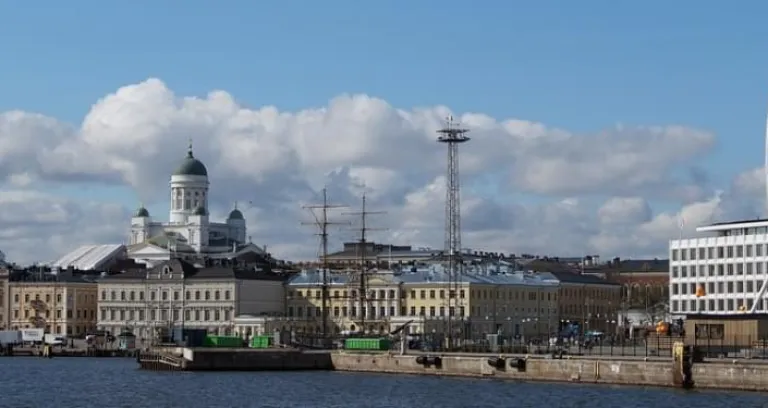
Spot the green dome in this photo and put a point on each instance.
(141, 212)
(235, 215)
(191, 166)
(200, 211)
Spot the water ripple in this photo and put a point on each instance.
(116, 383)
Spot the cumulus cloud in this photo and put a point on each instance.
(527, 187)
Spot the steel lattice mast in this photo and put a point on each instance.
(453, 135)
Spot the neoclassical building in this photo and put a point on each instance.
(189, 233)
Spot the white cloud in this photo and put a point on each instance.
(574, 193)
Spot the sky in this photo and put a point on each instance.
(596, 126)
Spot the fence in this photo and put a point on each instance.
(650, 346)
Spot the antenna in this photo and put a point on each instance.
(362, 252)
(453, 135)
(322, 223)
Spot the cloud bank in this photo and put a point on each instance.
(527, 188)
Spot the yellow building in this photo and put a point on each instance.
(347, 310)
(590, 301)
(513, 303)
(61, 303)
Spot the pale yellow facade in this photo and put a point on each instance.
(477, 309)
(384, 301)
(60, 307)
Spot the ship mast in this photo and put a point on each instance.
(322, 223)
(362, 249)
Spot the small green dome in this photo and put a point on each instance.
(191, 166)
(141, 212)
(235, 215)
(200, 211)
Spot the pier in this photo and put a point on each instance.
(747, 375)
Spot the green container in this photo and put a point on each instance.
(223, 341)
(367, 344)
(261, 341)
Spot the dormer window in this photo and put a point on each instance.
(166, 270)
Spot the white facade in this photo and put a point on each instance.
(189, 229)
(148, 302)
(728, 268)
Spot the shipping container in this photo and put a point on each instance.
(261, 341)
(190, 337)
(32, 335)
(367, 344)
(223, 341)
(9, 337)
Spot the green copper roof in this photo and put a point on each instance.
(235, 215)
(200, 211)
(141, 212)
(191, 166)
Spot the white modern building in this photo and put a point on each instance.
(725, 271)
(177, 293)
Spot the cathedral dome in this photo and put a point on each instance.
(190, 166)
(200, 211)
(235, 215)
(141, 212)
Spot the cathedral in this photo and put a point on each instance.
(189, 233)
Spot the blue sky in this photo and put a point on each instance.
(578, 65)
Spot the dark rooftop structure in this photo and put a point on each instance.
(576, 278)
(41, 275)
(179, 268)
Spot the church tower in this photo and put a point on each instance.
(140, 226)
(189, 189)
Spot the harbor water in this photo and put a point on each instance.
(115, 383)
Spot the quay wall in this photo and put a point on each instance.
(731, 375)
(254, 360)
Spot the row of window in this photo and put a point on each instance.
(432, 294)
(373, 312)
(48, 297)
(71, 330)
(727, 269)
(714, 288)
(164, 294)
(715, 305)
(80, 313)
(200, 315)
(720, 252)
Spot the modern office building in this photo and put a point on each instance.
(724, 271)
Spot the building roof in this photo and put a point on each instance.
(723, 226)
(187, 270)
(90, 257)
(35, 276)
(585, 279)
(141, 212)
(190, 166)
(434, 274)
(235, 214)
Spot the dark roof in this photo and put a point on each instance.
(29, 276)
(190, 166)
(141, 212)
(190, 271)
(570, 277)
(540, 265)
(643, 265)
(235, 215)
